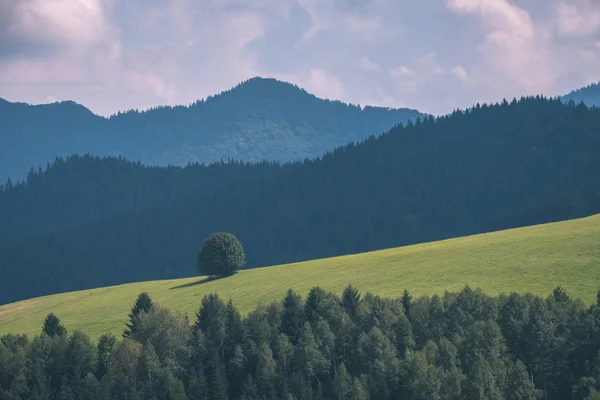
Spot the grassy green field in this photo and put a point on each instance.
(534, 259)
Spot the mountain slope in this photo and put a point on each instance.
(590, 95)
(260, 119)
(88, 222)
(534, 259)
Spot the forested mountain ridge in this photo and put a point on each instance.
(260, 119)
(489, 168)
(590, 95)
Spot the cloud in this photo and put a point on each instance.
(324, 84)
(513, 47)
(461, 72)
(42, 27)
(366, 64)
(347, 20)
(579, 19)
(402, 71)
(430, 54)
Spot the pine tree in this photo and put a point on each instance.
(249, 388)
(217, 381)
(520, 386)
(65, 392)
(351, 300)
(197, 389)
(406, 302)
(235, 371)
(313, 301)
(212, 320)
(234, 329)
(308, 357)
(105, 346)
(149, 364)
(292, 316)
(560, 295)
(142, 304)
(342, 383)
(52, 326)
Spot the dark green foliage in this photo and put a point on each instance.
(105, 347)
(312, 308)
(52, 326)
(351, 300)
(197, 388)
(169, 335)
(143, 304)
(292, 317)
(520, 385)
(345, 387)
(211, 319)
(221, 255)
(216, 379)
(406, 301)
(560, 295)
(488, 168)
(516, 347)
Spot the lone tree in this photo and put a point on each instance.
(53, 327)
(142, 304)
(221, 255)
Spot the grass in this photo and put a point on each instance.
(534, 259)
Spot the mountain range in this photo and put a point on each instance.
(589, 95)
(89, 221)
(260, 119)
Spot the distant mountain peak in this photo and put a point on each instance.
(56, 105)
(589, 95)
(591, 86)
(259, 84)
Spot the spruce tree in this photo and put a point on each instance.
(217, 380)
(342, 383)
(351, 300)
(249, 388)
(313, 301)
(142, 304)
(406, 302)
(52, 326)
(560, 295)
(104, 347)
(198, 389)
(292, 317)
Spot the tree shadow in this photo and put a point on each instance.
(200, 282)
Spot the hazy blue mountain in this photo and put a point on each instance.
(260, 119)
(590, 95)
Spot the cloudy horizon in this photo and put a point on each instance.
(431, 55)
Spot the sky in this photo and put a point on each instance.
(432, 55)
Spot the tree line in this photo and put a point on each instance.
(86, 221)
(464, 345)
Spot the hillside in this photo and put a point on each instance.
(88, 222)
(260, 119)
(534, 259)
(590, 95)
